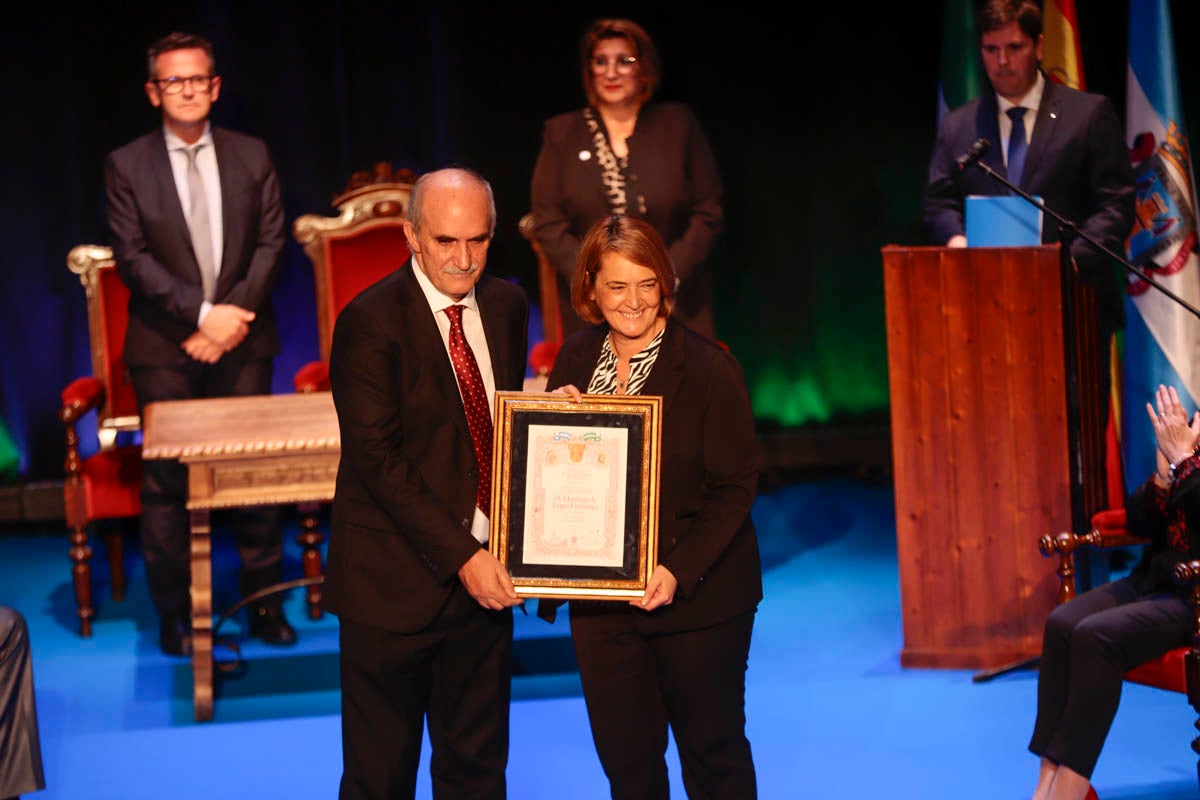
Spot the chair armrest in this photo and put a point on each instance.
(1064, 545)
(312, 377)
(1187, 573)
(81, 396)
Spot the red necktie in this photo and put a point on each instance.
(475, 403)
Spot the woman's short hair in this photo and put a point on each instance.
(643, 46)
(635, 240)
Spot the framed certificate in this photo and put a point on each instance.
(575, 493)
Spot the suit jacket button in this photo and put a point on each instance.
(472, 473)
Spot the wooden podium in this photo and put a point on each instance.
(981, 447)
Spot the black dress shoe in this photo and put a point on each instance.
(269, 624)
(175, 635)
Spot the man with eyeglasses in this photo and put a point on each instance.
(197, 231)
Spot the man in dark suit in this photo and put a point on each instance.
(424, 608)
(1075, 157)
(197, 232)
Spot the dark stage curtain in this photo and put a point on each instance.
(822, 131)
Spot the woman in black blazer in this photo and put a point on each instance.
(622, 154)
(677, 656)
(1093, 640)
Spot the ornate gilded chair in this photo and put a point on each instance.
(541, 355)
(361, 245)
(1177, 670)
(105, 485)
(349, 252)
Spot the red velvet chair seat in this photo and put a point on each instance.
(112, 480)
(1166, 672)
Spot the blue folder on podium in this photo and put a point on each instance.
(1002, 221)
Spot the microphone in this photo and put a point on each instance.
(975, 153)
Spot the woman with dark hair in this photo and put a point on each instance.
(677, 656)
(623, 154)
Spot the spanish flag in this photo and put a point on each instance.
(1062, 60)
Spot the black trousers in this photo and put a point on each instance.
(1088, 645)
(456, 673)
(20, 748)
(164, 526)
(636, 684)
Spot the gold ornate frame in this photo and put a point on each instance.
(641, 419)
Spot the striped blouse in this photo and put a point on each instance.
(604, 378)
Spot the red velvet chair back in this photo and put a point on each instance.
(108, 318)
(105, 485)
(353, 260)
(362, 244)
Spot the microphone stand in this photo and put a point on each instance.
(1067, 231)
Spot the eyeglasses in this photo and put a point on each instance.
(624, 64)
(174, 84)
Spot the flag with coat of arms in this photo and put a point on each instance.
(1162, 339)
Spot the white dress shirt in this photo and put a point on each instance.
(206, 162)
(473, 329)
(1030, 102)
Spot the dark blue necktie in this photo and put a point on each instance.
(1017, 146)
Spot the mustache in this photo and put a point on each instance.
(468, 270)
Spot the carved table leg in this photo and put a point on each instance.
(310, 538)
(202, 620)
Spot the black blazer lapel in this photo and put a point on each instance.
(427, 344)
(164, 179)
(494, 333)
(1045, 130)
(667, 374)
(988, 126)
(581, 361)
(234, 217)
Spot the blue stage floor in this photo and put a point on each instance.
(831, 713)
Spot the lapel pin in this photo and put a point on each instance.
(585, 155)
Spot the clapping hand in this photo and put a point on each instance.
(1175, 435)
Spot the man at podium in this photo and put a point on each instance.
(1052, 141)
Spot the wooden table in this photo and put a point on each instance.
(242, 451)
